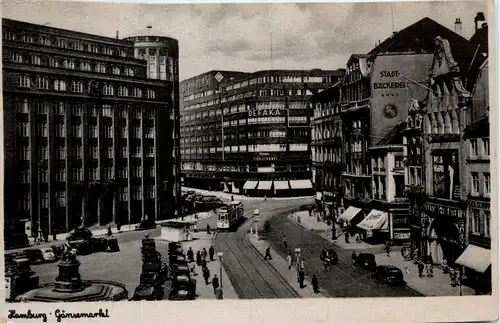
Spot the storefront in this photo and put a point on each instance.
(375, 226)
(477, 263)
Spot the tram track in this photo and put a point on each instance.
(252, 277)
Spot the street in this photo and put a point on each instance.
(344, 280)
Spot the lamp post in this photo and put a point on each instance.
(297, 258)
(220, 254)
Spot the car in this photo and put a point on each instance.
(181, 295)
(178, 259)
(180, 270)
(80, 233)
(332, 255)
(17, 240)
(148, 293)
(182, 282)
(389, 274)
(176, 252)
(174, 245)
(48, 254)
(146, 225)
(82, 247)
(112, 245)
(366, 260)
(35, 256)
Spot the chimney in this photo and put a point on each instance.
(117, 34)
(458, 26)
(479, 18)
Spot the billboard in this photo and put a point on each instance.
(394, 83)
(196, 83)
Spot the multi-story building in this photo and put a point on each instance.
(162, 56)
(327, 150)
(250, 132)
(83, 131)
(375, 92)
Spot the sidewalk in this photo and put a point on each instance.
(204, 291)
(281, 266)
(325, 231)
(439, 285)
(227, 196)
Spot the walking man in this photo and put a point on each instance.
(302, 273)
(268, 254)
(208, 228)
(211, 252)
(215, 283)
(315, 284)
(289, 261)
(198, 258)
(204, 254)
(285, 245)
(219, 294)
(190, 255)
(388, 248)
(206, 275)
(420, 269)
(347, 236)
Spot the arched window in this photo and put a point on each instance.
(434, 126)
(129, 72)
(61, 43)
(122, 91)
(108, 89)
(28, 38)
(42, 83)
(16, 57)
(137, 92)
(59, 85)
(85, 66)
(77, 87)
(116, 70)
(69, 63)
(54, 62)
(23, 81)
(455, 124)
(100, 68)
(440, 122)
(150, 94)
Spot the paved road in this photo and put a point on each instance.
(344, 280)
(251, 276)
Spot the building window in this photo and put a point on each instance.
(61, 43)
(27, 38)
(137, 171)
(116, 70)
(43, 152)
(136, 131)
(123, 53)
(107, 111)
(16, 57)
(23, 129)
(60, 199)
(446, 177)
(78, 151)
(77, 174)
(23, 81)
(150, 192)
(94, 174)
(108, 173)
(77, 87)
(25, 203)
(45, 200)
(137, 93)
(77, 130)
(473, 147)
(149, 132)
(77, 110)
(77, 46)
(43, 129)
(109, 90)
(36, 60)
(150, 151)
(398, 162)
(60, 130)
(475, 183)
(94, 152)
(61, 152)
(42, 83)
(108, 51)
(69, 64)
(123, 151)
(85, 66)
(53, 62)
(475, 221)
(487, 183)
(138, 193)
(487, 223)
(151, 171)
(486, 147)
(122, 91)
(61, 174)
(150, 94)
(129, 72)
(123, 194)
(136, 151)
(100, 68)
(93, 131)
(123, 172)
(59, 85)
(108, 131)
(25, 176)
(58, 108)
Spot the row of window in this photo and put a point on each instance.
(246, 148)
(280, 105)
(296, 133)
(333, 155)
(326, 109)
(479, 147)
(327, 131)
(480, 184)
(480, 222)
(49, 40)
(443, 122)
(71, 64)
(241, 168)
(60, 108)
(250, 94)
(43, 83)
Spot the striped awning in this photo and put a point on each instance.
(281, 185)
(265, 185)
(349, 214)
(250, 185)
(299, 184)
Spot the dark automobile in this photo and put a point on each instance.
(18, 240)
(366, 260)
(35, 256)
(146, 225)
(148, 293)
(183, 282)
(174, 245)
(332, 256)
(181, 295)
(177, 259)
(80, 233)
(112, 245)
(180, 270)
(390, 275)
(82, 247)
(176, 252)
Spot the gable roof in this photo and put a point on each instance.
(476, 55)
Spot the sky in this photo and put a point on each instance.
(237, 36)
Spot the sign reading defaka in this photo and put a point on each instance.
(252, 113)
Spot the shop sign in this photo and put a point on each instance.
(401, 235)
(444, 210)
(265, 158)
(480, 205)
(196, 83)
(253, 113)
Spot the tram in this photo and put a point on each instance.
(229, 214)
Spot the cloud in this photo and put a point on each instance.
(238, 36)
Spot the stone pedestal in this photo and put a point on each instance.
(69, 277)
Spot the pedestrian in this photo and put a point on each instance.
(358, 238)
(354, 258)
(315, 284)
(285, 245)
(109, 231)
(54, 234)
(192, 269)
(208, 228)
(204, 254)
(420, 269)
(206, 275)
(289, 260)
(388, 248)
(430, 271)
(215, 282)
(190, 255)
(219, 294)
(327, 262)
(347, 236)
(232, 198)
(302, 273)
(211, 252)
(310, 212)
(146, 236)
(118, 227)
(268, 254)
(198, 258)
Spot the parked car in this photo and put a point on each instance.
(174, 245)
(18, 240)
(35, 256)
(366, 260)
(146, 225)
(82, 247)
(177, 259)
(332, 255)
(80, 233)
(148, 293)
(48, 254)
(181, 295)
(184, 282)
(112, 245)
(180, 270)
(389, 274)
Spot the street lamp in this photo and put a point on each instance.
(220, 254)
(297, 257)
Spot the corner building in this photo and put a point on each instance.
(250, 133)
(86, 133)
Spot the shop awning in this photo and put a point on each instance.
(349, 214)
(250, 185)
(281, 185)
(375, 220)
(300, 184)
(265, 185)
(476, 258)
